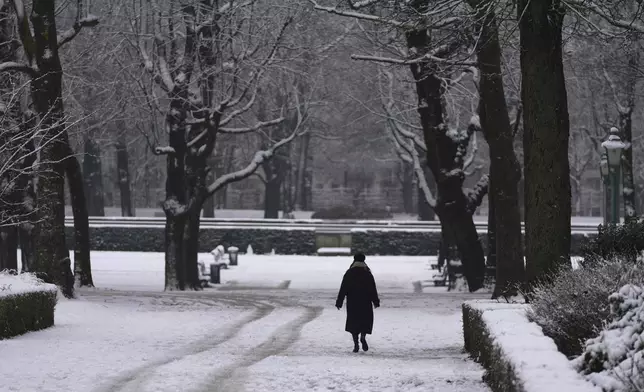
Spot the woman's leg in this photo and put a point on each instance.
(363, 340)
(356, 348)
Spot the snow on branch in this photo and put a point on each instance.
(425, 58)
(362, 16)
(360, 4)
(412, 152)
(590, 5)
(19, 67)
(66, 36)
(260, 124)
(164, 150)
(476, 195)
(259, 158)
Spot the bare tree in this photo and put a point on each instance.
(208, 59)
(43, 66)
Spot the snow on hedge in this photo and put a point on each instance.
(536, 363)
(11, 284)
(615, 359)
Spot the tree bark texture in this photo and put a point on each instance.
(51, 254)
(626, 128)
(93, 178)
(82, 261)
(505, 171)
(9, 248)
(446, 165)
(545, 138)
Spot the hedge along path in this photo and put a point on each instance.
(517, 355)
(26, 304)
(285, 241)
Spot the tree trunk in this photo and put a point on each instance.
(272, 198)
(9, 248)
(82, 261)
(302, 163)
(491, 233)
(451, 206)
(51, 257)
(190, 250)
(407, 174)
(123, 169)
(425, 211)
(174, 253)
(28, 198)
(505, 171)
(27, 253)
(93, 178)
(546, 131)
(626, 127)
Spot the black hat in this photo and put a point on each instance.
(358, 257)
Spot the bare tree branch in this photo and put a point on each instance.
(67, 36)
(19, 67)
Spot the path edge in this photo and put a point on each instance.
(515, 353)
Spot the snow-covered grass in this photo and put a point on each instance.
(145, 270)
(11, 284)
(93, 342)
(516, 352)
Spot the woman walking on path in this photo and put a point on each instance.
(359, 286)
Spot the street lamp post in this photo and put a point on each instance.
(604, 171)
(614, 147)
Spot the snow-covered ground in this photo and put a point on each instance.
(260, 339)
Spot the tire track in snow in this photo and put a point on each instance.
(231, 378)
(132, 379)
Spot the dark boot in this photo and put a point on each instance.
(363, 340)
(356, 348)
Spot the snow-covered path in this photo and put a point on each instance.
(244, 340)
(240, 341)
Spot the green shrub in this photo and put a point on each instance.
(21, 313)
(573, 306)
(625, 242)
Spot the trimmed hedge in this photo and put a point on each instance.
(22, 313)
(349, 212)
(480, 345)
(151, 239)
(284, 241)
(516, 354)
(421, 243)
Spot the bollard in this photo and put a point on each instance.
(233, 252)
(215, 273)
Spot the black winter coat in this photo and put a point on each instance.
(359, 286)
